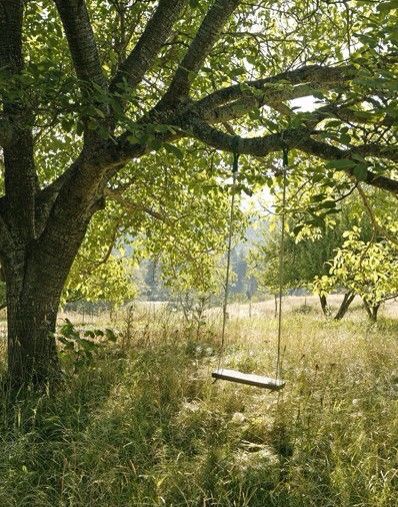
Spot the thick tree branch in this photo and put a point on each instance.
(299, 138)
(378, 150)
(199, 49)
(314, 76)
(328, 152)
(256, 146)
(81, 41)
(20, 176)
(87, 64)
(156, 33)
(46, 198)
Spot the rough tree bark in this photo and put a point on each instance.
(35, 274)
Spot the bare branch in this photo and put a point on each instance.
(134, 207)
(199, 49)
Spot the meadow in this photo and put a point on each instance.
(142, 424)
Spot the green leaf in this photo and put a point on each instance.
(340, 164)
(171, 148)
(361, 172)
(133, 139)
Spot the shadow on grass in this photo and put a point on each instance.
(38, 431)
(144, 426)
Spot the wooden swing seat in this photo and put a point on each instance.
(248, 378)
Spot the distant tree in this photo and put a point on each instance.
(367, 269)
(303, 259)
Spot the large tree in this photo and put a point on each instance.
(89, 87)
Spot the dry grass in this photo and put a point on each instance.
(145, 426)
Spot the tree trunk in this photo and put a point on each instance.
(35, 277)
(324, 305)
(32, 306)
(348, 299)
(375, 311)
(372, 311)
(32, 355)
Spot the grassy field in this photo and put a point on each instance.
(143, 424)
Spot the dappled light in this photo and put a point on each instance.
(198, 253)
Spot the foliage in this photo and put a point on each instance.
(181, 219)
(368, 269)
(78, 350)
(309, 244)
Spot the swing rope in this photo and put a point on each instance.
(281, 260)
(235, 166)
(232, 375)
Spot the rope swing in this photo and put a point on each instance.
(281, 261)
(274, 384)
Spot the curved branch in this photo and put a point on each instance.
(295, 138)
(316, 76)
(378, 150)
(328, 152)
(134, 207)
(257, 146)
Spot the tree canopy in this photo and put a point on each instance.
(92, 91)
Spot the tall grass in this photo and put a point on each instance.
(143, 425)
